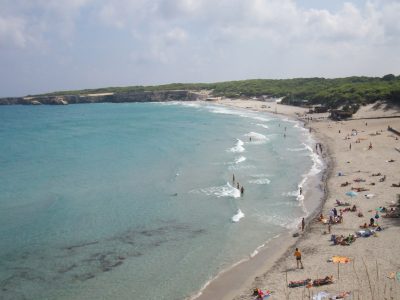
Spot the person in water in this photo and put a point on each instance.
(241, 190)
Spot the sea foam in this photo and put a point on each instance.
(263, 126)
(226, 190)
(260, 179)
(238, 147)
(240, 159)
(239, 215)
(256, 138)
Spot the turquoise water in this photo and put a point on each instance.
(136, 201)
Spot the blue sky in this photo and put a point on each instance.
(49, 45)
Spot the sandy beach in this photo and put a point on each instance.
(362, 157)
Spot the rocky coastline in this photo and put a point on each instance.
(148, 96)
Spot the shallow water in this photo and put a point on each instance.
(136, 200)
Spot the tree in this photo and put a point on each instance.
(389, 77)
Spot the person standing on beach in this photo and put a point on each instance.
(297, 254)
(303, 224)
(233, 179)
(350, 146)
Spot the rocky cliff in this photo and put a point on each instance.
(159, 96)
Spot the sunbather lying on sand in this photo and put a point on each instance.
(340, 203)
(393, 213)
(298, 283)
(323, 281)
(396, 184)
(376, 174)
(345, 183)
(382, 179)
(343, 241)
(261, 294)
(359, 180)
(359, 189)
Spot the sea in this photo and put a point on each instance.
(138, 200)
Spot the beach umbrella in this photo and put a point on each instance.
(351, 194)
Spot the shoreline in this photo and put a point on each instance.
(378, 254)
(230, 282)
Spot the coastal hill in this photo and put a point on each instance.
(333, 93)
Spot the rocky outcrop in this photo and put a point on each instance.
(159, 96)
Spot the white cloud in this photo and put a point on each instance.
(235, 38)
(31, 23)
(109, 15)
(176, 35)
(13, 32)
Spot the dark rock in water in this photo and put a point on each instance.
(81, 245)
(135, 254)
(85, 277)
(67, 269)
(296, 234)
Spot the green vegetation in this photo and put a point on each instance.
(350, 91)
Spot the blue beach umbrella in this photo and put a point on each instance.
(351, 194)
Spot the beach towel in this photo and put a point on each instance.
(340, 259)
(327, 296)
(391, 275)
(351, 194)
(365, 233)
(321, 296)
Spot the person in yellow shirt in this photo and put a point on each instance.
(297, 254)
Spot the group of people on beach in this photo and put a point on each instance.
(318, 146)
(240, 188)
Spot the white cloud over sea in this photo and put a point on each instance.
(48, 45)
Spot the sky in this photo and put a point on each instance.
(52, 45)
